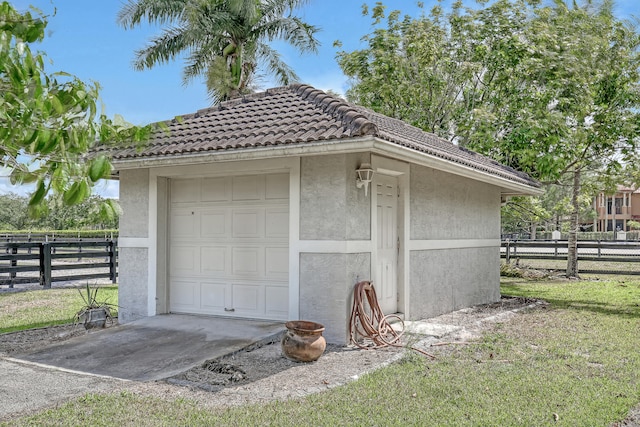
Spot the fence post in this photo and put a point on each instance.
(45, 265)
(14, 263)
(599, 249)
(112, 260)
(508, 253)
(555, 252)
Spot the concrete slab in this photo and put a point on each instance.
(422, 327)
(27, 387)
(155, 347)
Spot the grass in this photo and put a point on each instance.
(46, 307)
(574, 362)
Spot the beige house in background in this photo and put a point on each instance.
(275, 205)
(613, 212)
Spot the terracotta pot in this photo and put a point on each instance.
(303, 341)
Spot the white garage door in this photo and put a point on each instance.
(229, 246)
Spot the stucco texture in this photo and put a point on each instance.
(134, 201)
(326, 289)
(446, 206)
(331, 207)
(446, 280)
(132, 284)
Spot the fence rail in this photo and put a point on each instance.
(36, 262)
(64, 236)
(612, 252)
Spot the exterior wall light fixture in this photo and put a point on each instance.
(365, 176)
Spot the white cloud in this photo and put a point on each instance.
(6, 187)
(107, 188)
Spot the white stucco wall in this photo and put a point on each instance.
(455, 231)
(133, 259)
(445, 280)
(326, 289)
(331, 207)
(447, 206)
(333, 212)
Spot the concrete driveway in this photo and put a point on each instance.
(156, 347)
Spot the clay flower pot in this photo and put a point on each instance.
(303, 341)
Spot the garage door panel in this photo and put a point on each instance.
(277, 186)
(247, 187)
(215, 189)
(248, 223)
(248, 298)
(276, 262)
(214, 260)
(185, 260)
(214, 223)
(215, 296)
(277, 223)
(184, 224)
(247, 262)
(185, 295)
(185, 190)
(276, 301)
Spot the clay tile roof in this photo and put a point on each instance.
(295, 115)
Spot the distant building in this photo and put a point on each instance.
(615, 211)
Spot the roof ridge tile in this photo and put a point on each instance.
(357, 123)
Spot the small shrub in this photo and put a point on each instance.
(508, 270)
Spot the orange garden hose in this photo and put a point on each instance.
(367, 321)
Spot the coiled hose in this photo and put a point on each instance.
(368, 322)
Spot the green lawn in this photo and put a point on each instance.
(574, 362)
(46, 307)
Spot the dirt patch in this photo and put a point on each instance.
(336, 366)
(34, 339)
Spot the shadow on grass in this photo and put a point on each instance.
(627, 311)
(560, 295)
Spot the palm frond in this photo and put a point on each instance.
(292, 30)
(275, 65)
(151, 11)
(164, 48)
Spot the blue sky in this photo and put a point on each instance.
(84, 39)
(87, 42)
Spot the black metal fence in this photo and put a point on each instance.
(599, 252)
(47, 262)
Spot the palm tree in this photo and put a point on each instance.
(226, 41)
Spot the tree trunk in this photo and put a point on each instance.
(572, 250)
(532, 233)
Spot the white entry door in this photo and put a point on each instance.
(386, 283)
(229, 246)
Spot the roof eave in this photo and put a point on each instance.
(334, 146)
(331, 146)
(509, 187)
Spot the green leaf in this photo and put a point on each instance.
(79, 191)
(100, 168)
(57, 105)
(38, 195)
(22, 175)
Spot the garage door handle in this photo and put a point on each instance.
(229, 309)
